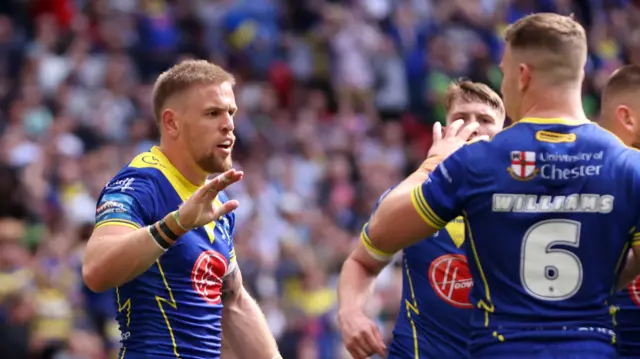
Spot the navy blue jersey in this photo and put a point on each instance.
(626, 307)
(173, 310)
(433, 321)
(550, 207)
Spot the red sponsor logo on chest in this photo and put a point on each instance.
(450, 278)
(207, 274)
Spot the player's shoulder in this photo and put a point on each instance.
(617, 150)
(138, 178)
(147, 164)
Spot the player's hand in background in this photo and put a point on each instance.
(199, 209)
(361, 335)
(452, 138)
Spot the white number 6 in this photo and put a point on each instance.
(549, 273)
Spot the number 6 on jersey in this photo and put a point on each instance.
(549, 273)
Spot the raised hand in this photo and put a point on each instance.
(455, 136)
(199, 209)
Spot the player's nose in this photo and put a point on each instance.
(227, 123)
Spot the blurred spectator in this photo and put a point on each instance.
(336, 102)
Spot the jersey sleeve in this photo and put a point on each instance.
(366, 240)
(439, 199)
(127, 200)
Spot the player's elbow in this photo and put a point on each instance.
(93, 278)
(365, 262)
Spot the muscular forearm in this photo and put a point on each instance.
(419, 176)
(113, 259)
(354, 285)
(245, 329)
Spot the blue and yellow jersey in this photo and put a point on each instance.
(433, 321)
(550, 208)
(173, 310)
(626, 305)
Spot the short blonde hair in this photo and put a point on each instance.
(182, 76)
(558, 44)
(623, 80)
(469, 91)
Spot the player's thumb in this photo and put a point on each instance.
(380, 347)
(226, 208)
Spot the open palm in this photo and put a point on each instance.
(200, 209)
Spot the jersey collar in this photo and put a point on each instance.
(554, 121)
(174, 176)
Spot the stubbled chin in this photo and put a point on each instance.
(216, 164)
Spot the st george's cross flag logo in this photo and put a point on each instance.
(523, 165)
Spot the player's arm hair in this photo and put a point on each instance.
(356, 279)
(117, 254)
(631, 268)
(243, 323)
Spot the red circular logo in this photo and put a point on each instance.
(634, 290)
(207, 274)
(450, 278)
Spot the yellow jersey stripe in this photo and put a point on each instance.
(424, 210)
(366, 241)
(439, 221)
(635, 242)
(117, 222)
(412, 307)
(171, 302)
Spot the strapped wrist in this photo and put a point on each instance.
(172, 221)
(176, 216)
(431, 163)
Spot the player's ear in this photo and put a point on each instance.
(626, 118)
(524, 78)
(168, 122)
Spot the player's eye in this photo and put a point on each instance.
(215, 113)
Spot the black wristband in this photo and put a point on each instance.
(155, 234)
(167, 231)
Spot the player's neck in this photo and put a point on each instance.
(617, 129)
(559, 103)
(182, 161)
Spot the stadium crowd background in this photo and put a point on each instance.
(336, 100)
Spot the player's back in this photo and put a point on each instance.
(549, 210)
(433, 321)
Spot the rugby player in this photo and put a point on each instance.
(619, 114)
(164, 238)
(433, 321)
(550, 207)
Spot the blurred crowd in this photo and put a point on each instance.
(336, 103)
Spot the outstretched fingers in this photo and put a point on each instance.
(453, 129)
(211, 189)
(226, 207)
(468, 130)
